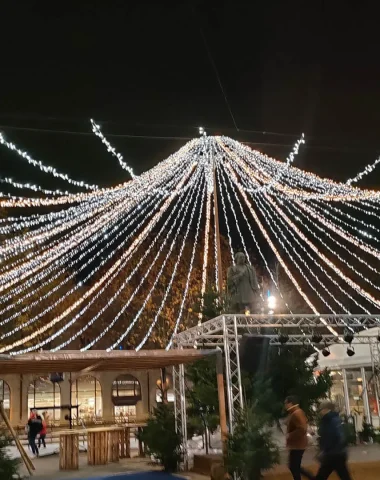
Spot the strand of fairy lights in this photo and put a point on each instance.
(122, 287)
(280, 171)
(205, 254)
(97, 284)
(39, 278)
(223, 183)
(254, 237)
(184, 206)
(44, 168)
(339, 231)
(30, 186)
(97, 131)
(225, 218)
(147, 179)
(271, 218)
(325, 233)
(184, 296)
(354, 241)
(79, 235)
(295, 239)
(267, 267)
(33, 238)
(331, 215)
(268, 239)
(346, 293)
(333, 191)
(368, 169)
(294, 262)
(73, 275)
(349, 281)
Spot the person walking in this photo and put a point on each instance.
(43, 432)
(296, 438)
(332, 443)
(34, 428)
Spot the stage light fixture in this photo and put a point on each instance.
(350, 351)
(348, 336)
(316, 338)
(326, 351)
(283, 338)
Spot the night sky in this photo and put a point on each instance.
(154, 69)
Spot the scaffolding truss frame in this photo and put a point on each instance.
(225, 332)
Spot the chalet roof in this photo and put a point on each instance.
(97, 360)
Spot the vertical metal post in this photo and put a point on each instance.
(367, 410)
(346, 394)
(180, 409)
(238, 372)
(228, 376)
(216, 226)
(222, 401)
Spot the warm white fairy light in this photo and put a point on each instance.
(257, 245)
(272, 218)
(38, 249)
(99, 283)
(281, 170)
(317, 263)
(97, 131)
(368, 169)
(30, 186)
(168, 288)
(355, 286)
(95, 247)
(182, 214)
(173, 225)
(205, 252)
(42, 167)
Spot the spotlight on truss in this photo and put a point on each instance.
(283, 338)
(348, 336)
(326, 351)
(316, 338)
(350, 351)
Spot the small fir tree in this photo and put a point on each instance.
(161, 439)
(8, 466)
(251, 449)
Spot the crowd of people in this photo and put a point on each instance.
(332, 442)
(37, 427)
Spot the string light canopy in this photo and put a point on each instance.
(126, 242)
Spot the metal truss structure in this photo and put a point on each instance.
(226, 331)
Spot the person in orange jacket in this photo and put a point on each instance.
(296, 438)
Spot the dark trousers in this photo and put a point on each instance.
(333, 463)
(295, 460)
(42, 440)
(32, 443)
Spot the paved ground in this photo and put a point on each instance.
(48, 468)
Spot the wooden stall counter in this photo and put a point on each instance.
(69, 450)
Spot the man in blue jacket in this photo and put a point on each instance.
(333, 445)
